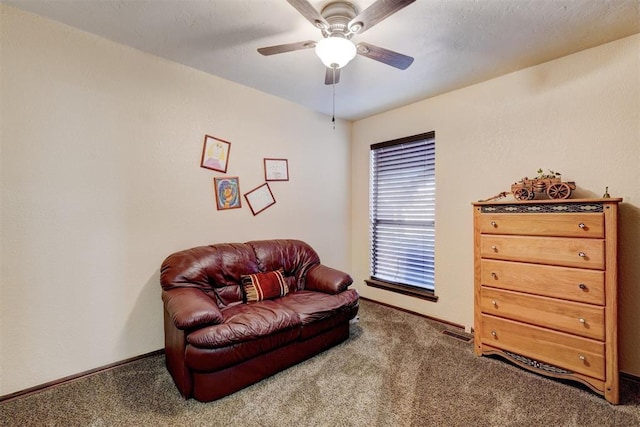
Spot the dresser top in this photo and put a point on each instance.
(548, 201)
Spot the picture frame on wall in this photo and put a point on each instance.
(276, 169)
(215, 154)
(227, 191)
(260, 198)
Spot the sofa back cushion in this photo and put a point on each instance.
(293, 256)
(218, 269)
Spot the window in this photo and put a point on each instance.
(402, 215)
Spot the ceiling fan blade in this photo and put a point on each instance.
(309, 12)
(385, 56)
(290, 47)
(329, 76)
(375, 13)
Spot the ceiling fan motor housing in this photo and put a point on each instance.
(338, 14)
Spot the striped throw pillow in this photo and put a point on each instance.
(261, 286)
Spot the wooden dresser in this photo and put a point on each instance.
(545, 288)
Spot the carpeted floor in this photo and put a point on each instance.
(397, 369)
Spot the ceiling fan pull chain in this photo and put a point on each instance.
(333, 116)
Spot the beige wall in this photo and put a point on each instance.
(100, 151)
(579, 115)
(99, 154)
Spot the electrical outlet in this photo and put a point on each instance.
(468, 329)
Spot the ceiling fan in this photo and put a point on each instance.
(339, 21)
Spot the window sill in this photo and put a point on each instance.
(403, 289)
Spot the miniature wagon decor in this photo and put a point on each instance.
(550, 184)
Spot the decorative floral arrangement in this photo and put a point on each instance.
(551, 174)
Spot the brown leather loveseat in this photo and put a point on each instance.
(235, 313)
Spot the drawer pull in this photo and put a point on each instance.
(494, 224)
(494, 276)
(581, 225)
(494, 303)
(494, 248)
(581, 320)
(582, 357)
(582, 286)
(582, 254)
(494, 334)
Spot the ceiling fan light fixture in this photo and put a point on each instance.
(335, 52)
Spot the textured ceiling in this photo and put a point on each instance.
(455, 43)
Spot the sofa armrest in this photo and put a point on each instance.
(328, 280)
(191, 308)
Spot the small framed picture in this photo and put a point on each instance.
(215, 154)
(260, 198)
(276, 170)
(227, 192)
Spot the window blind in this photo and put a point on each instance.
(402, 211)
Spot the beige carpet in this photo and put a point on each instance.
(397, 369)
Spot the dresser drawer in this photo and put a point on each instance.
(582, 253)
(559, 282)
(578, 354)
(544, 224)
(572, 317)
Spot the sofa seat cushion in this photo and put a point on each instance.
(319, 311)
(245, 322)
(215, 359)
